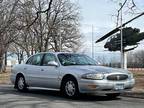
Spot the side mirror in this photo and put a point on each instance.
(98, 63)
(53, 63)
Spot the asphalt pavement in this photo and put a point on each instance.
(36, 98)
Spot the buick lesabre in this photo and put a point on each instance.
(71, 74)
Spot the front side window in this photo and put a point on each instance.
(75, 59)
(48, 58)
(35, 60)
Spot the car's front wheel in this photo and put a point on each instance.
(70, 88)
(20, 83)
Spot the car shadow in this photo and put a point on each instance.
(56, 95)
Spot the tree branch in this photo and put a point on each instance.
(39, 12)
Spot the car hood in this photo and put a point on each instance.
(94, 69)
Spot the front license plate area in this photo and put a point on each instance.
(119, 87)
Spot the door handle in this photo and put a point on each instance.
(25, 68)
(42, 69)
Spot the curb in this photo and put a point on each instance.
(133, 95)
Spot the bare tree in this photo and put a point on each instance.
(139, 56)
(7, 26)
(15, 50)
(34, 26)
(55, 29)
(136, 59)
(129, 7)
(65, 23)
(131, 59)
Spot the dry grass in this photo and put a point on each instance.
(139, 78)
(5, 77)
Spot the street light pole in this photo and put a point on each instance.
(60, 43)
(60, 46)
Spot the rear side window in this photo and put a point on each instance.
(35, 60)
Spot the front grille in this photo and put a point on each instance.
(117, 77)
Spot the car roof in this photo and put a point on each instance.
(56, 53)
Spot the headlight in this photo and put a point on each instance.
(130, 75)
(93, 76)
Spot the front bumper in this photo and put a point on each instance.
(104, 86)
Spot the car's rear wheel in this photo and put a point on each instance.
(70, 88)
(113, 95)
(20, 83)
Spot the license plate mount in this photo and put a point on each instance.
(119, 86)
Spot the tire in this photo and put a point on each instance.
(70, 88)
(113, 95)
(20, 84)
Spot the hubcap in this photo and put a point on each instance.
(70, 88)
(21, 83)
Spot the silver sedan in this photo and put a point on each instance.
(71, 74)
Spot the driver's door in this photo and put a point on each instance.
(49, 73)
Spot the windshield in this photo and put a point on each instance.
(75, 59)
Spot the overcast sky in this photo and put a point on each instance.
(99, 13)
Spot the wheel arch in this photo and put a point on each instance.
(65, 77)
(18, 75)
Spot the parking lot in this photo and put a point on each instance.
(35, 98)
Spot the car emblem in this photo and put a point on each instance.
(118, 77)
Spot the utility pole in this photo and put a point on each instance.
(121, 32)
(125, 60)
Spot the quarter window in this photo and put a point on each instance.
(29, 61)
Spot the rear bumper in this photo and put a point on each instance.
(104, 86)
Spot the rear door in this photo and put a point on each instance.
(33, 69)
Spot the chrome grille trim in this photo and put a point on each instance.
(117, 77)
